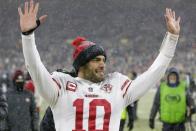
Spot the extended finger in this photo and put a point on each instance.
(166, 18)
(167, 11)
(20, 11)
(43, 18)
(174, 15)
(36, 8)
(167, 14)
(170, 13)
(31, 6)
(26, 10)
(178, 20)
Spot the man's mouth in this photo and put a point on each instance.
(101, 72)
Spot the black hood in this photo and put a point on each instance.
(18, 80)
(173, 71)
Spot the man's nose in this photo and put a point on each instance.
(102, 65)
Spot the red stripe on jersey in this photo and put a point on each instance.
(124, 84)
(127, 89)
(57, 83)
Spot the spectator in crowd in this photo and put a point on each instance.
(47, 123)
(22, 114)
(134, 106)
(130, 110)
(192, 91)
(171, 100)
(4, 82)
(3, 105)
(30, 87)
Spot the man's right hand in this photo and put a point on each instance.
(29, 16)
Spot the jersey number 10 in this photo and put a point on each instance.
(79, 104)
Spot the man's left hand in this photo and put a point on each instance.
(173, 25)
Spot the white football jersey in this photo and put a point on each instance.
(86, 106)
(80, 105)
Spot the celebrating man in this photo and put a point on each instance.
(92, 101)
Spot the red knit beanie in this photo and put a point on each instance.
(84, 51)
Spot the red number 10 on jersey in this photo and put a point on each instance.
(79, 104)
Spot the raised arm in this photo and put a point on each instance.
(153, 75)
(41, 77)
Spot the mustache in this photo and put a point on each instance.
(100, 69)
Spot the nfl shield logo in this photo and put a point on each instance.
(90, 89)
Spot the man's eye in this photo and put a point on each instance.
(95, 59)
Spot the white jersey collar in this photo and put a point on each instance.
(84, 80)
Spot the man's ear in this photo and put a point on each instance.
(81, 69)
(84, 67)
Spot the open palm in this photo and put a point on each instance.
(29, 17)
(173, 25)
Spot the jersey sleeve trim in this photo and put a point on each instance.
(59, 86)
(125, 83)
(126, 88)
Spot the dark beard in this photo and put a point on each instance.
(89, 75)
(96, 80)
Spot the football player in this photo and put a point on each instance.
(93, 100)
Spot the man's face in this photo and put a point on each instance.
(19, 82)
(94, 70)
(172, 78)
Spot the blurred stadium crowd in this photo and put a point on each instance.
(131, 31)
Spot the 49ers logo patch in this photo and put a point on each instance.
(71, 86)
(107, 88)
